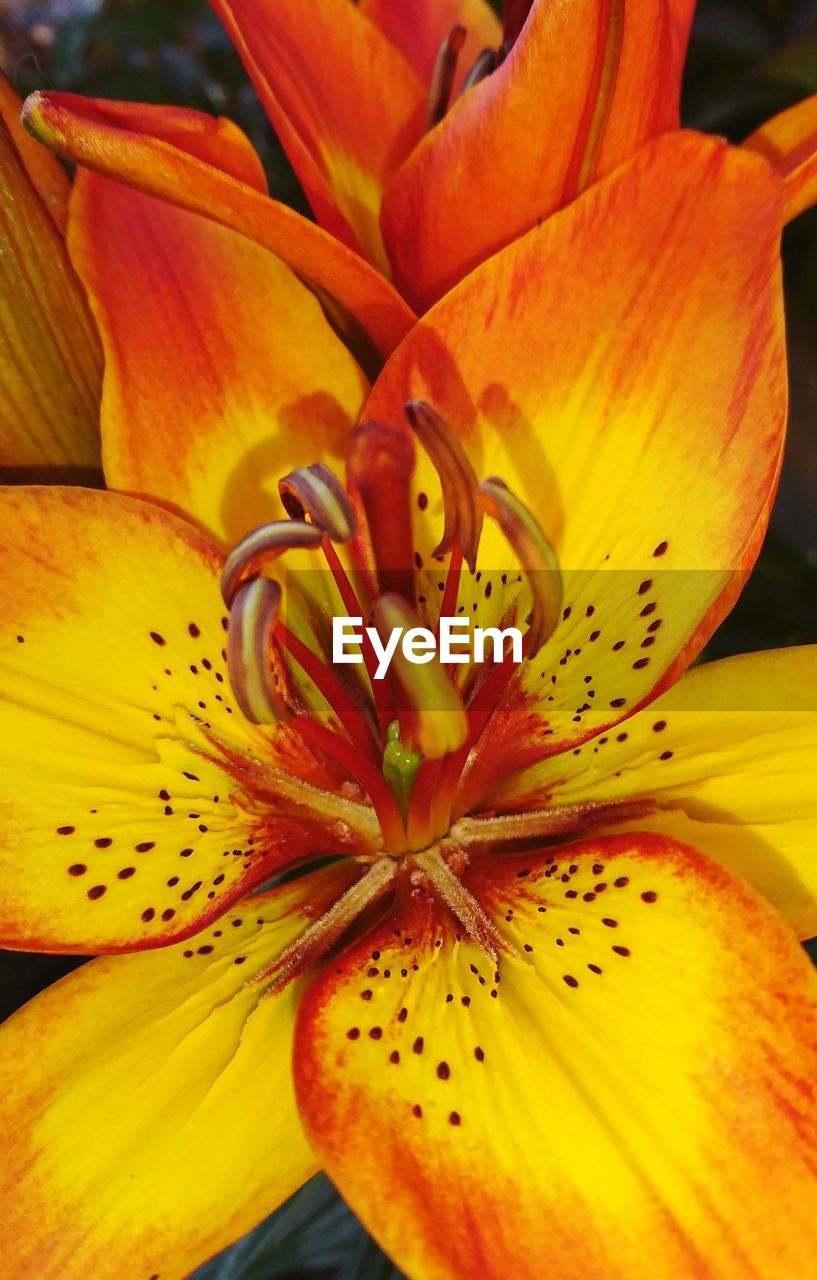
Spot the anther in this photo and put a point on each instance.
(463, 517)
(315, 492)
(535, 554)
(442, 78)
(484, 65)
(253, 615)
(261, 547)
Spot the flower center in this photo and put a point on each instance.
(403, 735)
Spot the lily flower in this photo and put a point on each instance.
(425, 136)
(50, 360)
(544, 1008)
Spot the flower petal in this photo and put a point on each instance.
(622, 368)
(50, 362)
(419, 30)
(729, 757)
(179, 165)
(561, 111)
(221, 371)
(789, 142)
(44, 169)
(344, 103)
(148, 1101)
(615, 1101)
(131, 813)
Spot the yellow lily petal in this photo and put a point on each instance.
(131, 813)
(221, 372)
(622, 369)
(50, 362)
(729, 758)
(612, 1102)
(148, 1102)
(789, 142)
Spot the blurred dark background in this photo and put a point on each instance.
(748, 59)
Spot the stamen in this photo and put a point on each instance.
(252, 619)
(338, 697)
(442, 78)
(535, 554)
(484, 65)
(368, 776)
(463, 518)
(463, 904)
(322, 934)
(435, 721)
(261, 547)
(379, 469)
(546, 823)
(316, 492)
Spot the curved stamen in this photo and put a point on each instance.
(253, 614)
(535, 554)
(434, 722)
(442, 78)
(463, 518)
(484, 65)
(315, 492)
(262, 546)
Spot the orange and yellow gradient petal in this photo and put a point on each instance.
(612, 1099)
(188, 167)
(221, 373)
(148, 1101)
(622, 368)
(586, 84)
(789, 142)
(343, 100)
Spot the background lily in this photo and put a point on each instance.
(50, 360)
(422, 194)
(555, 1037)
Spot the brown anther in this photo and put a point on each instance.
(463, 517)
(484, 64)
(253, 614)
(263, 546)
(442, 78)
(535, 554)
(315, 492)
